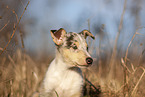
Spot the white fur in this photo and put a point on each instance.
(61, 80)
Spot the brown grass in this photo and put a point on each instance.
(21, 76)
(15, 27)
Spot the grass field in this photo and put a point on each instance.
(21, 76)
(114, 73)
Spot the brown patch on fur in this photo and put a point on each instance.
(74, 58)
(77, 44)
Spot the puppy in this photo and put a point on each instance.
(64, 76)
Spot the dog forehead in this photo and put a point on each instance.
(74, 36)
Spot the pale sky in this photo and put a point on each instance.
(73, 16)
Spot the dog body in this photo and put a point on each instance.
(64, 76)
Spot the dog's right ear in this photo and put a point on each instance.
(58, 36)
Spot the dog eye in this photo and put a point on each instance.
(87, 48)
(74, 46)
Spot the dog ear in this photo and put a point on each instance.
(87, 33)
(58, 36)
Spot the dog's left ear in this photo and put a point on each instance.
(58, 36)
(87, 33)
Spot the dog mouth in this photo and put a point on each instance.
(81, 66)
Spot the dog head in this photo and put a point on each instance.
(73, 47)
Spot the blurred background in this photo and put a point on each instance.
(101, 17)
(74, 16)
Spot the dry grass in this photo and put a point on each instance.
(21, 76)
(15, 27)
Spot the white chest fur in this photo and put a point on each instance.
(66, 82)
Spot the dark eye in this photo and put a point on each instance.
(87, 48)
(74, 47)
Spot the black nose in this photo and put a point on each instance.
(89, 60)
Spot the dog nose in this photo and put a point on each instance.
(89, 60)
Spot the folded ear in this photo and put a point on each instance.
(58, 36)
(87, 33)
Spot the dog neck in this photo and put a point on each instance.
(61, 63)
